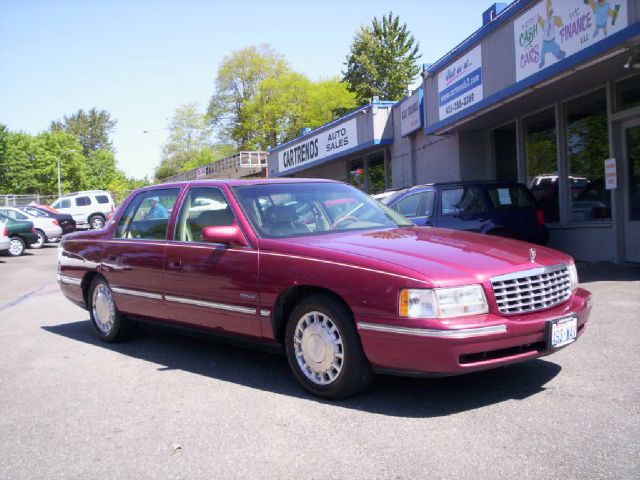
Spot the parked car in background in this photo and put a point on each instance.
(66, 221)
(345, 285)
(5, 241)
(21, 234)
(506, 209)
(47, 228)
(88, 208)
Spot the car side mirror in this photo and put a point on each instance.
(227, 235)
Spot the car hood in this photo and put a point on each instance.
(444, 257)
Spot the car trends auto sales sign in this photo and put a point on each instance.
(335, 140)
(460, 84)
(555, 29)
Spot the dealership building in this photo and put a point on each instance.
(546, 93)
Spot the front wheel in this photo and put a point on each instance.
(324, 350)
(107, 322)
(16, 246)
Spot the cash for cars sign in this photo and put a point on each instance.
(311, 149)
(555, 29)
(460, 84)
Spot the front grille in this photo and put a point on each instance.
(532, 290)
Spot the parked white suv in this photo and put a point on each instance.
(87, 208)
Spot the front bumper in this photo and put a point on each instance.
(466, 344)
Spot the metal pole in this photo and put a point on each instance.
(59, 185)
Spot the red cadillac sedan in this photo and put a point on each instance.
(346, 286)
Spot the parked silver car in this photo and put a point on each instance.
(47, 229)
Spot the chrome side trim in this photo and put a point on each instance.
(528, 273)
(137, 293)
(216, 306)
(65, 280)
(265, 313)
(431, 332)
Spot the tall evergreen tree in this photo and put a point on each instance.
(92, 128)
(382, 61)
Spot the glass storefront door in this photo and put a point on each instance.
(631, 145)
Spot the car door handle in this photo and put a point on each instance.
(175, 262)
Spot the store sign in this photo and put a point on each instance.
(460, 84)
(330, 142)
(555, 29)
(411, 114)
(610, 174)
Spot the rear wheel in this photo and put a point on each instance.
(96, 222)
(16, 246)
(324, 350)
(42, 238)
(107, 322)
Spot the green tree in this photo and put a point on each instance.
(31, 163)
(237, 83)
(93, 129)
(4, 160)
(190, 143)
(288, 102)
(382, 60)
(100, 170)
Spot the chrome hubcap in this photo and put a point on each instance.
(15, 247)
(96, 223)
(104, 310)
(318, 348)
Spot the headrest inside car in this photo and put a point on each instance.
(280, 214)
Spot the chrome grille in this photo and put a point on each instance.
(532, 290)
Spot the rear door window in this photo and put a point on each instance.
(202, 207)
(507, 197)
(461, 200)
(83, 201)
(147, 216)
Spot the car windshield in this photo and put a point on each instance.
(294, 209)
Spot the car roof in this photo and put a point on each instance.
(86, 192)
(465, 183)
(232, 182)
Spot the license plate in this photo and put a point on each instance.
(562, 331)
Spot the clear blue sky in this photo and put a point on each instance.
(141, 59)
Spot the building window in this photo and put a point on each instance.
(542, 161)
(587, 149)
(506, 153)
(376, 172)
(356, 173)
(628, 93)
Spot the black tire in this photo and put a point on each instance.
(16, 247)
(109, 329)
(351, 372)
(42, 239)
(96, 221)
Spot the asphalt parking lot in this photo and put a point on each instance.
(165, 406)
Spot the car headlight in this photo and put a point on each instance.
(442, 302)
(573, 275)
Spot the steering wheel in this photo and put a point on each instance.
(344, 219)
